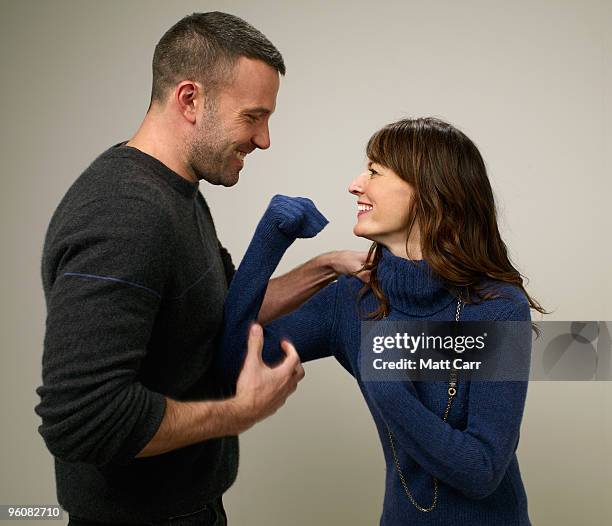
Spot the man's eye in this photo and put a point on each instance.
(372, 172)
(252, 118)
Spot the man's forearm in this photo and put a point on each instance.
(287, 292)
(187, 423)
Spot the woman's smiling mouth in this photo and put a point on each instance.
(363, 208)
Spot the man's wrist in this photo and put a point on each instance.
(238, 418)
(328, 262)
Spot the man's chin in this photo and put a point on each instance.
(230, 179)
(226, 179)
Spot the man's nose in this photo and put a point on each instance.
(358, 185)
(262, 137)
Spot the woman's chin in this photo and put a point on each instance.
(360, 232)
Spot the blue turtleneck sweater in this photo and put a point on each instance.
(472, 454)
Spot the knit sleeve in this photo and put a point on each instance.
(228, 264)
(310, 327)
(473, 460)
(105, 265)
(226, 258)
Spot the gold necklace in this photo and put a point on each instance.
(452, 391)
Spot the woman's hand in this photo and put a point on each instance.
(296, 217)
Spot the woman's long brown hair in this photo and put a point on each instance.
(453, 205)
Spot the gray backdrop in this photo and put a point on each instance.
(529, 82)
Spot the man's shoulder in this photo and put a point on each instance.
(112, 218)
(114, 192)
(117, 183)
(118, 171)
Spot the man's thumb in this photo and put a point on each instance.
(255, 344)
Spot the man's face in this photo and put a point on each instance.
(234, 123)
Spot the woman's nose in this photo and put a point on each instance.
(357, 185)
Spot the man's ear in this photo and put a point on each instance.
(188, 95)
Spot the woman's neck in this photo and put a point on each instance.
(401, 249)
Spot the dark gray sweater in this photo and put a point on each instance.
(134, 279)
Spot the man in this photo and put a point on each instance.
(142, 429)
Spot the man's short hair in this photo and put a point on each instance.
(205, 47)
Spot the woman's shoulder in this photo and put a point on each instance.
(349, 286)
(351, 301)
(507, 301)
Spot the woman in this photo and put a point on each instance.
(426, 203)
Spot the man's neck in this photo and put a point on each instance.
(153, 139)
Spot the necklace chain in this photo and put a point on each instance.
(452, 391)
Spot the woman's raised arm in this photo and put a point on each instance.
(309, 328)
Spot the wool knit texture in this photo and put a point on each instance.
(134, 280)
(473, 454)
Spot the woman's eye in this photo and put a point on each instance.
(372, 172)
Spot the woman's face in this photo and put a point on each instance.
(383, 200)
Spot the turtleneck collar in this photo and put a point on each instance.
(411, 286)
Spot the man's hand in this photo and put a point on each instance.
(262, 390)
(286, 293)
(348, 262)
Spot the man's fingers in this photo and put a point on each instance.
(299, 372)
(364, 276)
(362, 256)
(292, 358)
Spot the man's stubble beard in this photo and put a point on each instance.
(209, 152)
